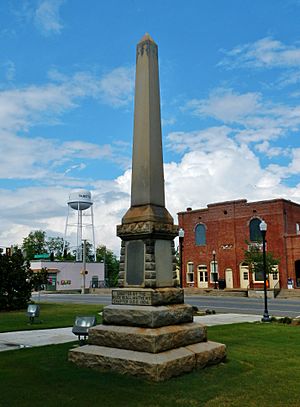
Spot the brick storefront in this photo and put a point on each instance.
(215, 238)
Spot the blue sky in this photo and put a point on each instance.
(229, 77)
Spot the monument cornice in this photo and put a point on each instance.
(147, 229)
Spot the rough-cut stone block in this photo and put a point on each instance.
(152, 340)
(148, 296)
(208, 353)
(147, 316)
(155, 367)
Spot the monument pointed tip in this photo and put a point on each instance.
(147, 37)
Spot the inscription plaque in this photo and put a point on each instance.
(135, 260)
(164, 265)
(131, 297)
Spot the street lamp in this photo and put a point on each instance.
(181, 237)
(263, 230)
(214, 264)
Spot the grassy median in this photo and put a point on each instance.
(262, 370)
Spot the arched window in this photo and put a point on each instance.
(200, 235)
(255, 234)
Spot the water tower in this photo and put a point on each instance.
(81, 202)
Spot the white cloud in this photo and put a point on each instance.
(47, 17)
(117, 86)
(265, 148)
(23, 107)
(226, 105)
(216, 168)
(206, 140)
(253, 119)
(27, 209)
(264, 53)
(224, 170)
(40, 158)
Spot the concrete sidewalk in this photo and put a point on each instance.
(41, 337)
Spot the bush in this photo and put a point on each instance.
(15, 281)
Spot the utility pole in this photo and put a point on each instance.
(84, 267)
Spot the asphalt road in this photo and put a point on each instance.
(238, 305)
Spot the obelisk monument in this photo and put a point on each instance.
(147, 230)
(148, 330)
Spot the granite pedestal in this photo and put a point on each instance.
(155, 342)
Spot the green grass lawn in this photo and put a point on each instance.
(262, 369)
(51, 316)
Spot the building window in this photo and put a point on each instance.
(275, 272)
(214, 274)
(190, 272)
(255, 234)
(200, 235)
(245, 275)
(297, 229)
(258, 276)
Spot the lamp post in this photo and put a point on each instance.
(181, 237)
(263, 230)
(214, 264)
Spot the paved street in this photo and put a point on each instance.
(237, 305)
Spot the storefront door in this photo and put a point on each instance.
(228, 278)
(244, 276)
(202, 276)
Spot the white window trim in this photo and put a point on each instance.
(190, 263)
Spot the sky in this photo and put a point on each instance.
(230, 102)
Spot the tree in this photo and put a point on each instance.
(38, 243)
(39, 279)
(254, 259)
(111, 265)
(16, 281)
(34, 243)
(55, 245)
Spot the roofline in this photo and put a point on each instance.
(239, 201)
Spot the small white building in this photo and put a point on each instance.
(68, 275)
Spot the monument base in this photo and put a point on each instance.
(151, 366)
(155, 342)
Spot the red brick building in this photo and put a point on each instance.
(215, 238)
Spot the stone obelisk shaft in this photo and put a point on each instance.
(147, 230)
(147, 186)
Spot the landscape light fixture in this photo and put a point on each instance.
(81, 327)
(33, 311)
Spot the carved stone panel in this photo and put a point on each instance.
(135, 263)
(164, 263)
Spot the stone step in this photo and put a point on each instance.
(227, 292)
(147, 316)
(286, 293)
(151, 366)
(152, 340)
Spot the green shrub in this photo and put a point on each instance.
(15, 281)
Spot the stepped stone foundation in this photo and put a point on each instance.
(155, 342)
